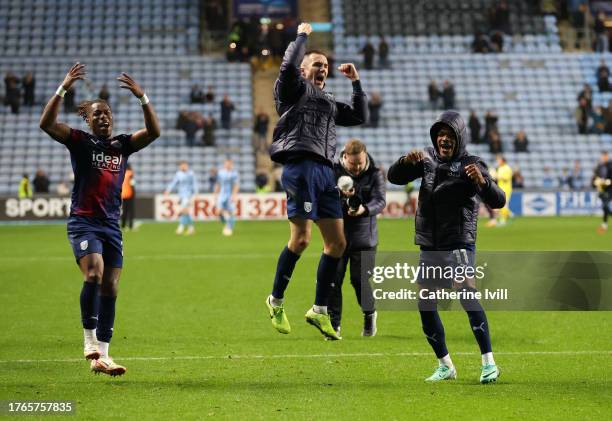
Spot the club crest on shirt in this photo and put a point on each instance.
(307, 206)
(454, 169)
(84, 245)
(105, 161)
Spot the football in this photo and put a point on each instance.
(345, 183)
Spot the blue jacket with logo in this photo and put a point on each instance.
(447, 212)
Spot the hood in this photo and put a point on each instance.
(455, 122)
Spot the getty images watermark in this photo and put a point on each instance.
(456, 276)
(559, 280)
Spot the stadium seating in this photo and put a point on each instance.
(135, 27)
(436, 26)
(536, 93)
(155, 41)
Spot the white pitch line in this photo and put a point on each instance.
(306, 356)
(155, 257)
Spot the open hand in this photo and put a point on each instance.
(76, 72)
(349, 70)
(128, 83)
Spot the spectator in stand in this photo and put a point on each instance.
(25, 189)
(208, 137)
(261, 183)
(565, 180)
(603, 76)
(518, 181)
(41, 182)
(62, 188)
(69, 106)
(212, 179)
(197, 95)
(607, 115)
(582, 116)
(495, 143)
(104, 93)
(578, 18)
(499, 19)
(497, 42)
(599, 121)
(189, 122)
(448, 95)
(491, 120)
(12, 96)
(601, 33)
(374, 105)
(475, 126)
(587, 93)
(521, 142)
(227, 107)
(383, 53)
(548, 182)
(210, 95)
(577, 176)
(434, 94)
(260, 131)
(480, 44)
(28, 82)
(368, 52)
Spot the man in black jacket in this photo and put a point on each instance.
(364, 200)
(453, 184)
(304, 141)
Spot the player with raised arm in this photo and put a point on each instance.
(186, 185)
(226, 191)
(99, 162)
(304, 141)
(452, 187)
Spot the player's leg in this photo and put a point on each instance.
(434, 332)
(334, 307)
(504, 213)
(300, 233)
(332, 231)
(605, 206)
(363, 290)
(113, 262)
(92, 268)
(188, 218)
(478, 323)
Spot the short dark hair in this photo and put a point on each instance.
(84, 106)
(315, 51)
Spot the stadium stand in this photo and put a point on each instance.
(437, 26)
(531, 86)
(154, 45)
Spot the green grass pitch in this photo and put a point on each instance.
(193, 331)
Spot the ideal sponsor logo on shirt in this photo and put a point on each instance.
(106, 162)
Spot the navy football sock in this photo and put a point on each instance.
(432, 327)
(326, 273)
(89, 305)
(284, 270)
(106, 318)
(478, 321)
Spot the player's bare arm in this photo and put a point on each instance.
(142, 137)
(48, 119)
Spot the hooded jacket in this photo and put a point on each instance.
(361, 232)
(447, 212)
(308, 115)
